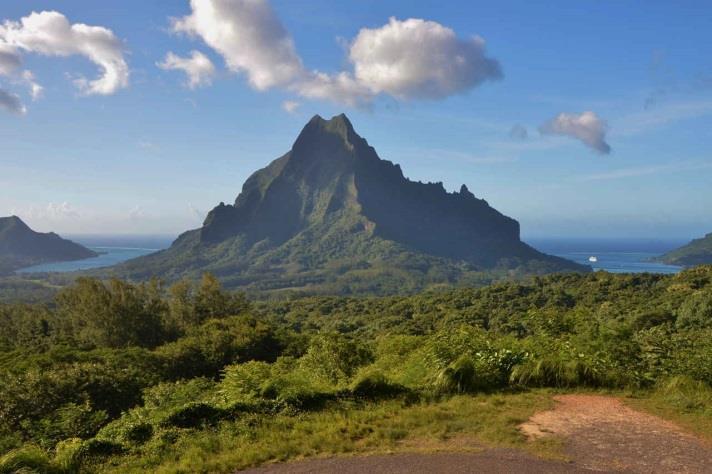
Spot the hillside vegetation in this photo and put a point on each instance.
(697, 252)
(134, 378)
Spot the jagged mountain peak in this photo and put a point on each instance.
(332, 199)
(328, 139)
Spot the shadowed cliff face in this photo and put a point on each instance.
(331, 169)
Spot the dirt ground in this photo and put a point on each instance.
(598, 434)
(601, 433)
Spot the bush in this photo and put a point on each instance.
(458, 377)
(194, 415)
(296, 391)
(373, 385)
(556, 372)
(243, 382)
(217, 343)
(99, 448)
(696, 311)
(335, 358)
(139, 433)
(68, 454)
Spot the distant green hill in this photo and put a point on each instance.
(331, 216)
(22, 247)
(697, 252)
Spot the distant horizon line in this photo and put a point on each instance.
(173, 235)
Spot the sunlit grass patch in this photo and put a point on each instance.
(390, 426)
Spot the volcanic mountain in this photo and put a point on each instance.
(330, 215)
(22, 247)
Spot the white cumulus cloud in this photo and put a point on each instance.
(419, 59)
(199, 69)
(341, 88)
(248, 35)
(586, 127)
(50, 33)
(406, 59)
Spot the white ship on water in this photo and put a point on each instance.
(593, 259)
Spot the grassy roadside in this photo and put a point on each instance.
(684, 402)
(461, 423)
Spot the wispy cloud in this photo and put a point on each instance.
(660, 116)
(197, 67)
(51, 212)
(196, 213)
(633, 172)
(148, 146)
(290, 106)
(440, 154)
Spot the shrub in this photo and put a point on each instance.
(194, 415)
(243, 382)
(68, 421)
(557, 372)
(296, 391)
(68, 454)
(696, 311)
(97, 448)
(139, 433)
(335, 358)
(217, 343)
(373, 385)
(458, 377)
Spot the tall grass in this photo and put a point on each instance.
(28, 459)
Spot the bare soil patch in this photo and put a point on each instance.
(602, 433)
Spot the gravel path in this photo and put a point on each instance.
(495, 461)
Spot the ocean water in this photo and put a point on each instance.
(614, 255)
(112, 250)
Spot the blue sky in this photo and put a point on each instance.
(154, 155)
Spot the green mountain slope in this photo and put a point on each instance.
(22, 247)
(697, 252)
(330, 215)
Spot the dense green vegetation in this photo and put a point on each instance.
(190, 378)
(697, 252)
